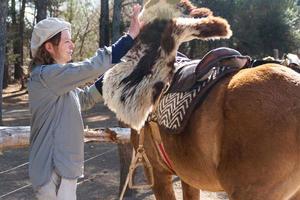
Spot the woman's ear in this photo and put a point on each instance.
(49, 47)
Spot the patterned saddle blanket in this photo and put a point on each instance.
(191, 83)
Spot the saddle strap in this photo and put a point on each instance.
(160, 146)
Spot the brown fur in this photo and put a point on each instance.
(243, 139)
(207, 29)
(187, 4)
(193, 11)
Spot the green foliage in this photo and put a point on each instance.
(84, 17)
(259, 26)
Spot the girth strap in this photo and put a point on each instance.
(160, 146)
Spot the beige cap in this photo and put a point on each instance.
(45, 30)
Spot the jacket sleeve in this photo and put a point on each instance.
(88, 97)
(121, 47)
(61, 79)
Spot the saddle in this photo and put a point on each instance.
(191, 71)
(191, 83)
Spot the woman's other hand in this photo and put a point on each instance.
(135, 24)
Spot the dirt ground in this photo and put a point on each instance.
(102, 168)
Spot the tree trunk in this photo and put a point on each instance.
(6, 78)
(16, 42)
(21, 44)
(3, 16)
(83, 38)
(116, 20)
(70, 11)
(41, 6)
(5, 75)
(104, 24)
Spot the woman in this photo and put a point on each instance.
(56, 140)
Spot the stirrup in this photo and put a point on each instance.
(141, 159)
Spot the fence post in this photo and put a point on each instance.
(276, 54)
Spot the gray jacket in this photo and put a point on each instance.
(56, 102)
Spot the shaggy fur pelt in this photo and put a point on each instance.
(159, 9)
(187, 8)
(131, 88)
(168, 9)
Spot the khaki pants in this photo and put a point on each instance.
(58, 188)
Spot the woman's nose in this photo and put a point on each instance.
(72, 45)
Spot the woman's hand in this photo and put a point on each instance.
(135, 24)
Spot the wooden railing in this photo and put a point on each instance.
(18, 136)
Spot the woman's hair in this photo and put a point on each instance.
(42, 56)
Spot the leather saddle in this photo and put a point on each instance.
(191, 83)
(191, 71)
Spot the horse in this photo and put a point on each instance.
(243, 139)
(210, 28)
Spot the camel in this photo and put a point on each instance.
(243, 139)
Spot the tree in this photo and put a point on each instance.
(41, 7)
(84, 17)
(54, 7)
(17, 40)
(104, 24)
(20, 73)
(116, 20)
(3, 15)
(258, 26)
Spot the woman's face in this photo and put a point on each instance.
(62, 53)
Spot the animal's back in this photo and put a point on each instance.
(261, 138)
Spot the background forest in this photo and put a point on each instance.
(259, 27)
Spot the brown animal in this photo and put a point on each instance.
(158, 40)
(244, 138)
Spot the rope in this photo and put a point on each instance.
(14, 191)
(11, 169)
(101, 154)
(127, 178)
(28, 185)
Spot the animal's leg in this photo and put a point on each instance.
(189, 192)
(163, 186)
